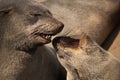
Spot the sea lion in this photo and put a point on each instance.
(84, 59)
(25, 26)
(95, 17)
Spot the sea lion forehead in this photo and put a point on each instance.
(13, 3)
(18, 2)
(25, 6)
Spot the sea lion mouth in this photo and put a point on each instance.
(65, 41)
(46, 37)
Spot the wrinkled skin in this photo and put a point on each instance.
(25, 26)
(95, 17)
(84, 59)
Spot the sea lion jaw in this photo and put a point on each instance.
(43, 31)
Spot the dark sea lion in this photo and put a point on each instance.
(84, 59)
(25, 26)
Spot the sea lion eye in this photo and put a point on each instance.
(36, 15)
(48, 12)
(5, 11)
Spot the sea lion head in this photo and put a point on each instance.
(25, 24)
(81, 52)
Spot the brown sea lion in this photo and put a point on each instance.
(84, 59)
(25, 26)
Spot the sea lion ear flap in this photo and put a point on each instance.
(5, 11)
(83, 39)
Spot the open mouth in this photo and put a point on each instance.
(65, 41)
(46, 37)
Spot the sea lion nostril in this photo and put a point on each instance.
(61, 27)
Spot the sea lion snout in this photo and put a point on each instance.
(65, 42)
(70, 42)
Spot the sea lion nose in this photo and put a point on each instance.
(58, 28)
(61, 27)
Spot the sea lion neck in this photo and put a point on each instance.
(10, 44)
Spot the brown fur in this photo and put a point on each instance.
(84, 59)
(23, 24)
(95, 17)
